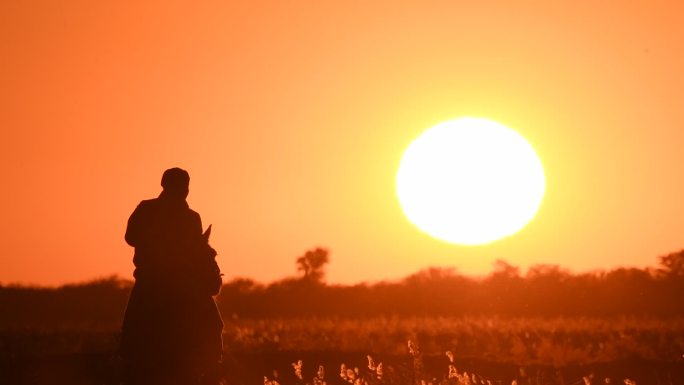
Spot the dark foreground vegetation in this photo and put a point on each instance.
(544, 327)
(329, 365)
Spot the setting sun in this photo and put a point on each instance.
(470, 181)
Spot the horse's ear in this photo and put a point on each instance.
(207, 234)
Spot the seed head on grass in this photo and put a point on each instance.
(453, 373)
(418, 365)
(319, 379)
(379, 371)
(298, 369)
(371, 363)
(413, 348)
(350, 375)
(376, 371)
(465, 379)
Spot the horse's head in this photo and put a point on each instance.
(207, 234)
(209, 278)
(204, 247)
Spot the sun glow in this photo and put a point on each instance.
(470, 181)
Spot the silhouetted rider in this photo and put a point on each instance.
(171, 332)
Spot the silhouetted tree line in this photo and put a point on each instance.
(544, 290)
(97, 305)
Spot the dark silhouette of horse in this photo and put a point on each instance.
(171, 332)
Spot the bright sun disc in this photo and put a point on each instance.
(470, 181)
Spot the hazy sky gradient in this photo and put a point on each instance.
(291, 118)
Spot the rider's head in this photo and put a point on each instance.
(176, 182)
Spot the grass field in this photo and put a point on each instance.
(522, 341)
(531, 351)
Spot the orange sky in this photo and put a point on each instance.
(291, 118)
